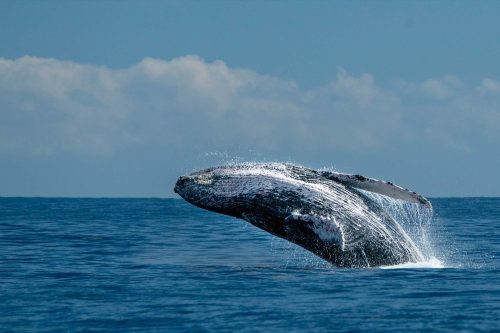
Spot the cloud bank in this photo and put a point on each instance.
(48, 106)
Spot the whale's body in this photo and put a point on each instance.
(322, 211)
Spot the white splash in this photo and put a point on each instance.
(432, 262)
(415, 220)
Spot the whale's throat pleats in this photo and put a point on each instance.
(265, 222)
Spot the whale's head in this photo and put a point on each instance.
(233, 190)
(215, 189)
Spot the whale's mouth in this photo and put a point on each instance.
(195, 188)
(180, 184)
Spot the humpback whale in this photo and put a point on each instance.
(325, 212)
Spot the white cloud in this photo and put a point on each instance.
(490, 86)
(49, 106)
(436, 88)
(441, 88)
(361, 91)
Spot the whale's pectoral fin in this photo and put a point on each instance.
(325, 228)
(377, 186)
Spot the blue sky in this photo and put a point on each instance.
(118, 98)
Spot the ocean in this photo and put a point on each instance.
(162, 265)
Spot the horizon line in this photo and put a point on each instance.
(179, 198)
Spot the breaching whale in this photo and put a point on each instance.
(324, 212)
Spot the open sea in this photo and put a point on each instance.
(162, 265)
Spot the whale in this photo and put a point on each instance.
(328, 213)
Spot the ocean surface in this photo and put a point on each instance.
(162, 265)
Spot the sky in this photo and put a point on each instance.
(119, 98)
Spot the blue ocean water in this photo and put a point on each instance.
(144, 265)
